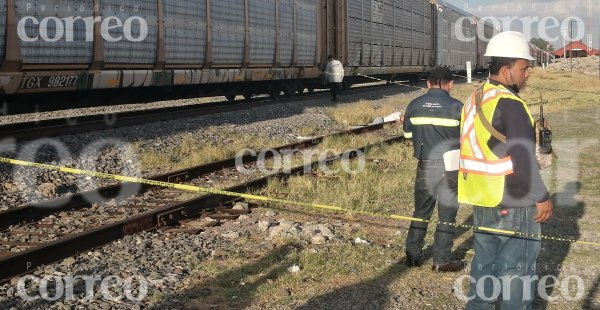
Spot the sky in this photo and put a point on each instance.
(557, 14)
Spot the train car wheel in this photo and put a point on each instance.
(414, 78)
(289, 90)
(230, 97)
(274, 91)
(346, 85)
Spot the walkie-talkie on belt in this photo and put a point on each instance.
(545, 134)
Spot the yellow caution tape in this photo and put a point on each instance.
(192, 188)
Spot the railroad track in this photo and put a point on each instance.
(56, 127)
(41, 233)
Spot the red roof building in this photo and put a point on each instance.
(578, 49)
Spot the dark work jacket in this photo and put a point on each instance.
(433, 120)
(524, 187)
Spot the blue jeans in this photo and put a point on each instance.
(433, 184)
(503, 268)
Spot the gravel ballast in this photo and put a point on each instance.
(111, 151)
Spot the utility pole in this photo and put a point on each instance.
(571, 37)
(564, 36)
(571, 24)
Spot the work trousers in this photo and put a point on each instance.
(503, 268)
(434, 185)
(336, 89)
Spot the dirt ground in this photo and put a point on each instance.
(345, 274)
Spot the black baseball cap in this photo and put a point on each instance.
(440, 74)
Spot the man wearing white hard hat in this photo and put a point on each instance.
(499, 175)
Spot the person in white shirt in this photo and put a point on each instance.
(335, 75)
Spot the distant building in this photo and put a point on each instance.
(578, 49)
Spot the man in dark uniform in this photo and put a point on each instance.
(432, 121)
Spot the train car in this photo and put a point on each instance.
(453, 51)
(548, 57)
(534, 51)
(483, 62)
(385, 38)
(541, 57)
(221, 47)
(227, 47)
(58, 45)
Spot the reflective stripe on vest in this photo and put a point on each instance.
(481, 173)
(499, 167)
(490, 164)
(445, 122)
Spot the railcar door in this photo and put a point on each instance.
(334, 38)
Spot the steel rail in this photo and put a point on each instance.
(27, 261)
(63, 126)
(36, 211)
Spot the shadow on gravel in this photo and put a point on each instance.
(374, 294)
(589, 299)
(566, 214)
(225, 291)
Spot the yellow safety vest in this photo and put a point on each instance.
(481, 173)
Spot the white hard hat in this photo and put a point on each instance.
(509, 44)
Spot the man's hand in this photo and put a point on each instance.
(544, 211)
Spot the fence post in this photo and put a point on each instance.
(469, 73)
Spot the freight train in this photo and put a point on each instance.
(226, 47)
(541, 57)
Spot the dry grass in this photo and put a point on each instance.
(557, 89)
(346, 142)
(190, 152)
(386, 185)
(267, 284)
(364, 112)
(462, 91)
(309, 131)
(561, 90)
